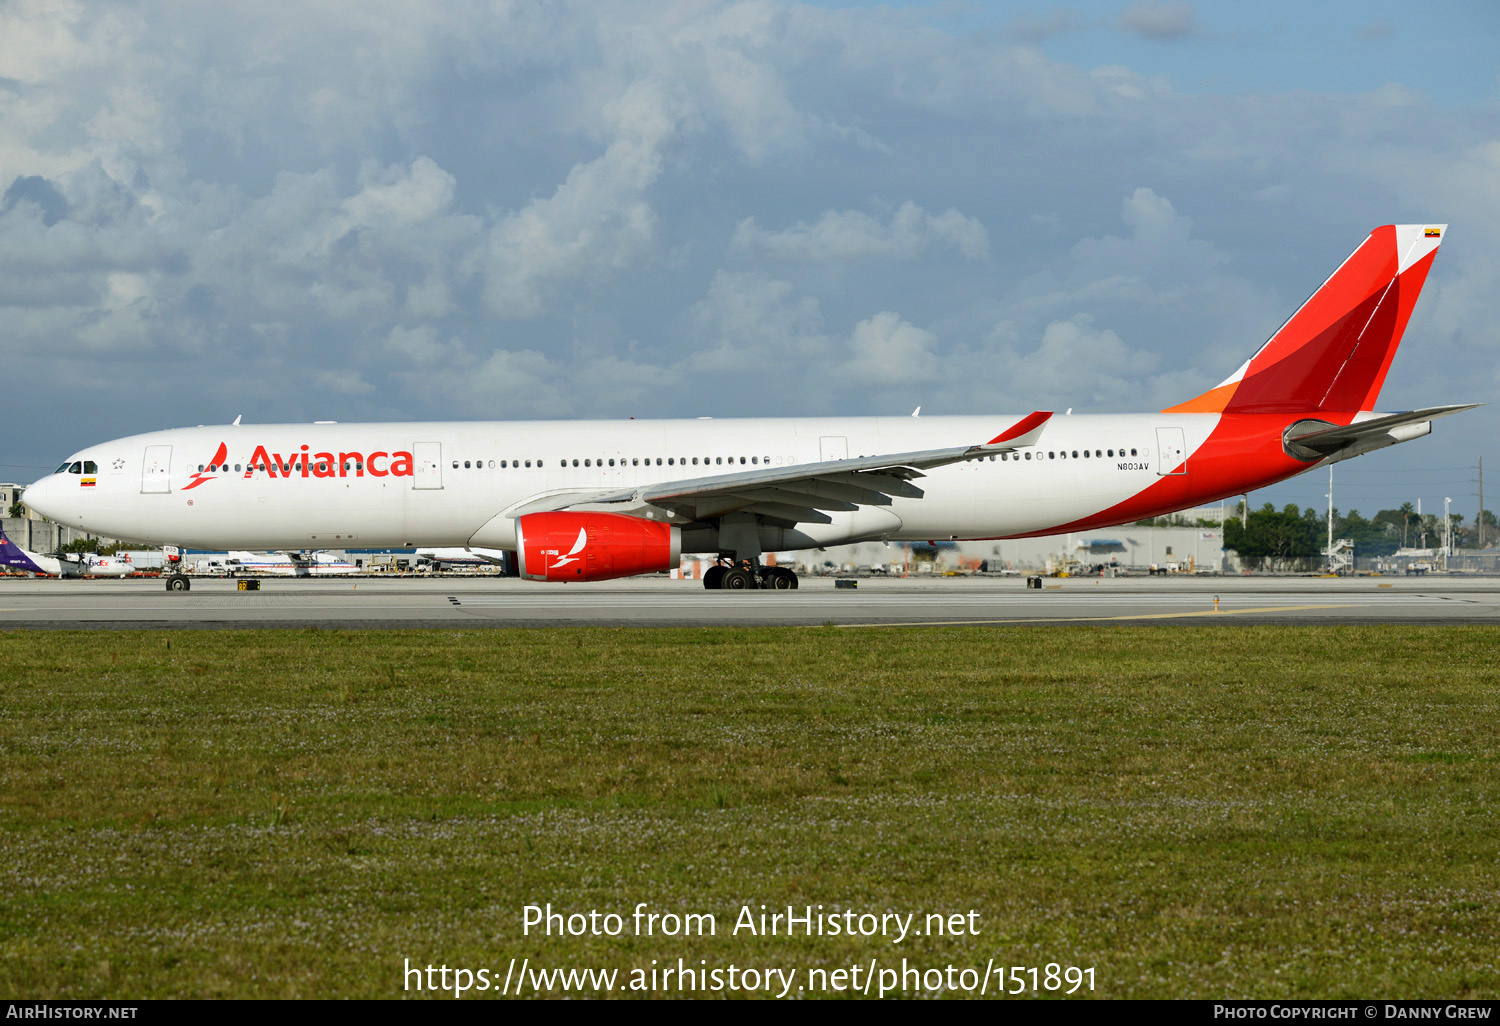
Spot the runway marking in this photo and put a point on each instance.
(1096, 619)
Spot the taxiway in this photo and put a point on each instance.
(479, 602)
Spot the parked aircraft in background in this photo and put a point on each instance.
(440, 557)
(593, 500)
(318, 564)
(63, 564)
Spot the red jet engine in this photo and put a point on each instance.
(594, 546)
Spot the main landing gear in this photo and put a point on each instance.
(178, 582)
(746, 574)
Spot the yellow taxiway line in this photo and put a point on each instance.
(1099, 619)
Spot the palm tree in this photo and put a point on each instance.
(17, 510)
(1407, 511)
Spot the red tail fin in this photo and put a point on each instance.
(1334, 352)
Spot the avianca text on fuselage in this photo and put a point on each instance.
(306, 463)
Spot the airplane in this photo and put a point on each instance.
(57, 564)
(444, 556)
(320, 564)
(595, 500)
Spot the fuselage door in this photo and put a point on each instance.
(833, 447)
(156, 469)
(1171, 451)
(428, 472)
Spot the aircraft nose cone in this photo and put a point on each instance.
(42, 497)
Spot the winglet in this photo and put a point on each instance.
(1023, 432)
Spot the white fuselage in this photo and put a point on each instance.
(404, 484)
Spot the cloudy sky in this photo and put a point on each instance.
(511, 210)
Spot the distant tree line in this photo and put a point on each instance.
(1293, 539)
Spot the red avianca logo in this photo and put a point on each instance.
(218, 461)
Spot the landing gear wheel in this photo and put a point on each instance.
(178, 582)
(779, 579)
(713, 577)
(737, 580)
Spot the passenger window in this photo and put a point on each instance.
(742, 460)
(635, 463)
(1052, 455)
(492, 464)
(719, 459)
(1098, 454)
(695, 461)
(538, 463)
(455, 464)
(658, 461)
(1132, 452)
(528, 463)
(754, 459)
(611, 463)
(236, 468)
(1028, 455)
(1111, 452)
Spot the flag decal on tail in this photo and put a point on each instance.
(1434, 233)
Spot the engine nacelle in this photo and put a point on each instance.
(567, 546)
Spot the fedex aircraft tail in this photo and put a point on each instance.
(1334, 352)
(17, 558)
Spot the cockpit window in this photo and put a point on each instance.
(90, 467)
(62, 469)
(76, 468)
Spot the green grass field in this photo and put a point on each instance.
(1192, 811)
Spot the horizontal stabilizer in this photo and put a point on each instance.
(1320, 438)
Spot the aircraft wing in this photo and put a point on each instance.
(1326, 439)
(808, 492)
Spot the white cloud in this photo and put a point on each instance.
(885, 350)
(850, 235)
(751, 323)
(1160, 19)
(596, 220)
